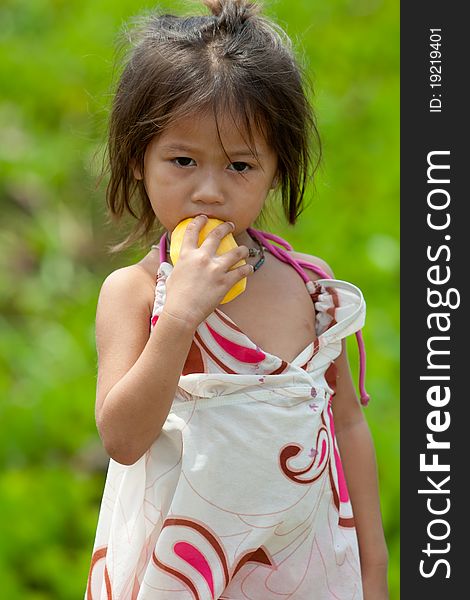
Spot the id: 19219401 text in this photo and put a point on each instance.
(435, 70)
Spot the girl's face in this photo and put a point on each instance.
(187, 173)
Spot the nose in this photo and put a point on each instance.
(208, 190)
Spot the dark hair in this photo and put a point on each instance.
(233, 60)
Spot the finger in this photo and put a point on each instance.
(230, 258)
(191, 234)
(213, 239)
(239, 273)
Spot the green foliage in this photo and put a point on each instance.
(56, 66)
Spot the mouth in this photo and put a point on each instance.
(209, 217)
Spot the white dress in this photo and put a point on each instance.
(242, 496)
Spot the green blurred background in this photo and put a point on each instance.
(56, 62)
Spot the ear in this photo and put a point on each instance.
(135, 169)
(275, 181)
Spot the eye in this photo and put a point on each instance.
(241, 167)
(181, 161)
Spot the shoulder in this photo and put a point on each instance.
(319, 262)
(123, 316)
(128, 288)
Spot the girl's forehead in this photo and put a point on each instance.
(205, 125)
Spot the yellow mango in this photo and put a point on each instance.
(226, 244)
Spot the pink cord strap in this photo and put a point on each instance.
(362, 369)
(163, 248)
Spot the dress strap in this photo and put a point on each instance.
(298, 265)
(162, 246)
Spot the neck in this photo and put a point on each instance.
(243, 239)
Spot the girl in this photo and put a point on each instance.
(225, 478)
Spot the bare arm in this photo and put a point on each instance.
(133, 402)
(358, 458)
(138, 374)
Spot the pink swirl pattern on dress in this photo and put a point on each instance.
(241, 353)
(207, 566)
(343, 488)
(315, 468)
(196, 559)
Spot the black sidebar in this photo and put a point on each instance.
(435, 258)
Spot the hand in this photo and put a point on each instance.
(200, 279)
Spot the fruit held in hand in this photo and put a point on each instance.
(226, 244)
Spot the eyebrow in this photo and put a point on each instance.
(189, 150)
